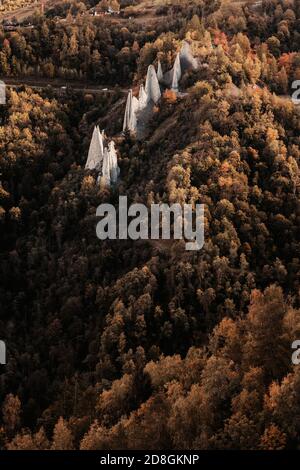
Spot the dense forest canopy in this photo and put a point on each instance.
(141, 344)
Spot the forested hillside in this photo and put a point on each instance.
(142, 344)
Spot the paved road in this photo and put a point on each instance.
(59, 84)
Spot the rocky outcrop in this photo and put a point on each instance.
(173, 76)
(96, 151)
(110, 170)
(160, 74)
(176, 74)
(143, 98)
(138, 111)
(184, 61)
(187, 60)
(105, 173)
(113, 163)
(103, 158)
(152, 87)
(130, 118)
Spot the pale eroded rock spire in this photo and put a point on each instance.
(96, 151)
(105, 175)
(187, 61)
(152, 87)
(103, 158)
(176, 73)
(130, 120)
(143, 99)
(110, 170)
(128, 112)
(160, 75)
(113, 162)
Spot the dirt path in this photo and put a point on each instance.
(22, 13)
(28, 10)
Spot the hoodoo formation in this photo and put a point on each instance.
(130, 118)
(187, 60)
(96, 151)
(160, 75)
(102, 157)
(176, 74)
(184, 61)
(143, 98)
(152, 87)
(138, 111)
